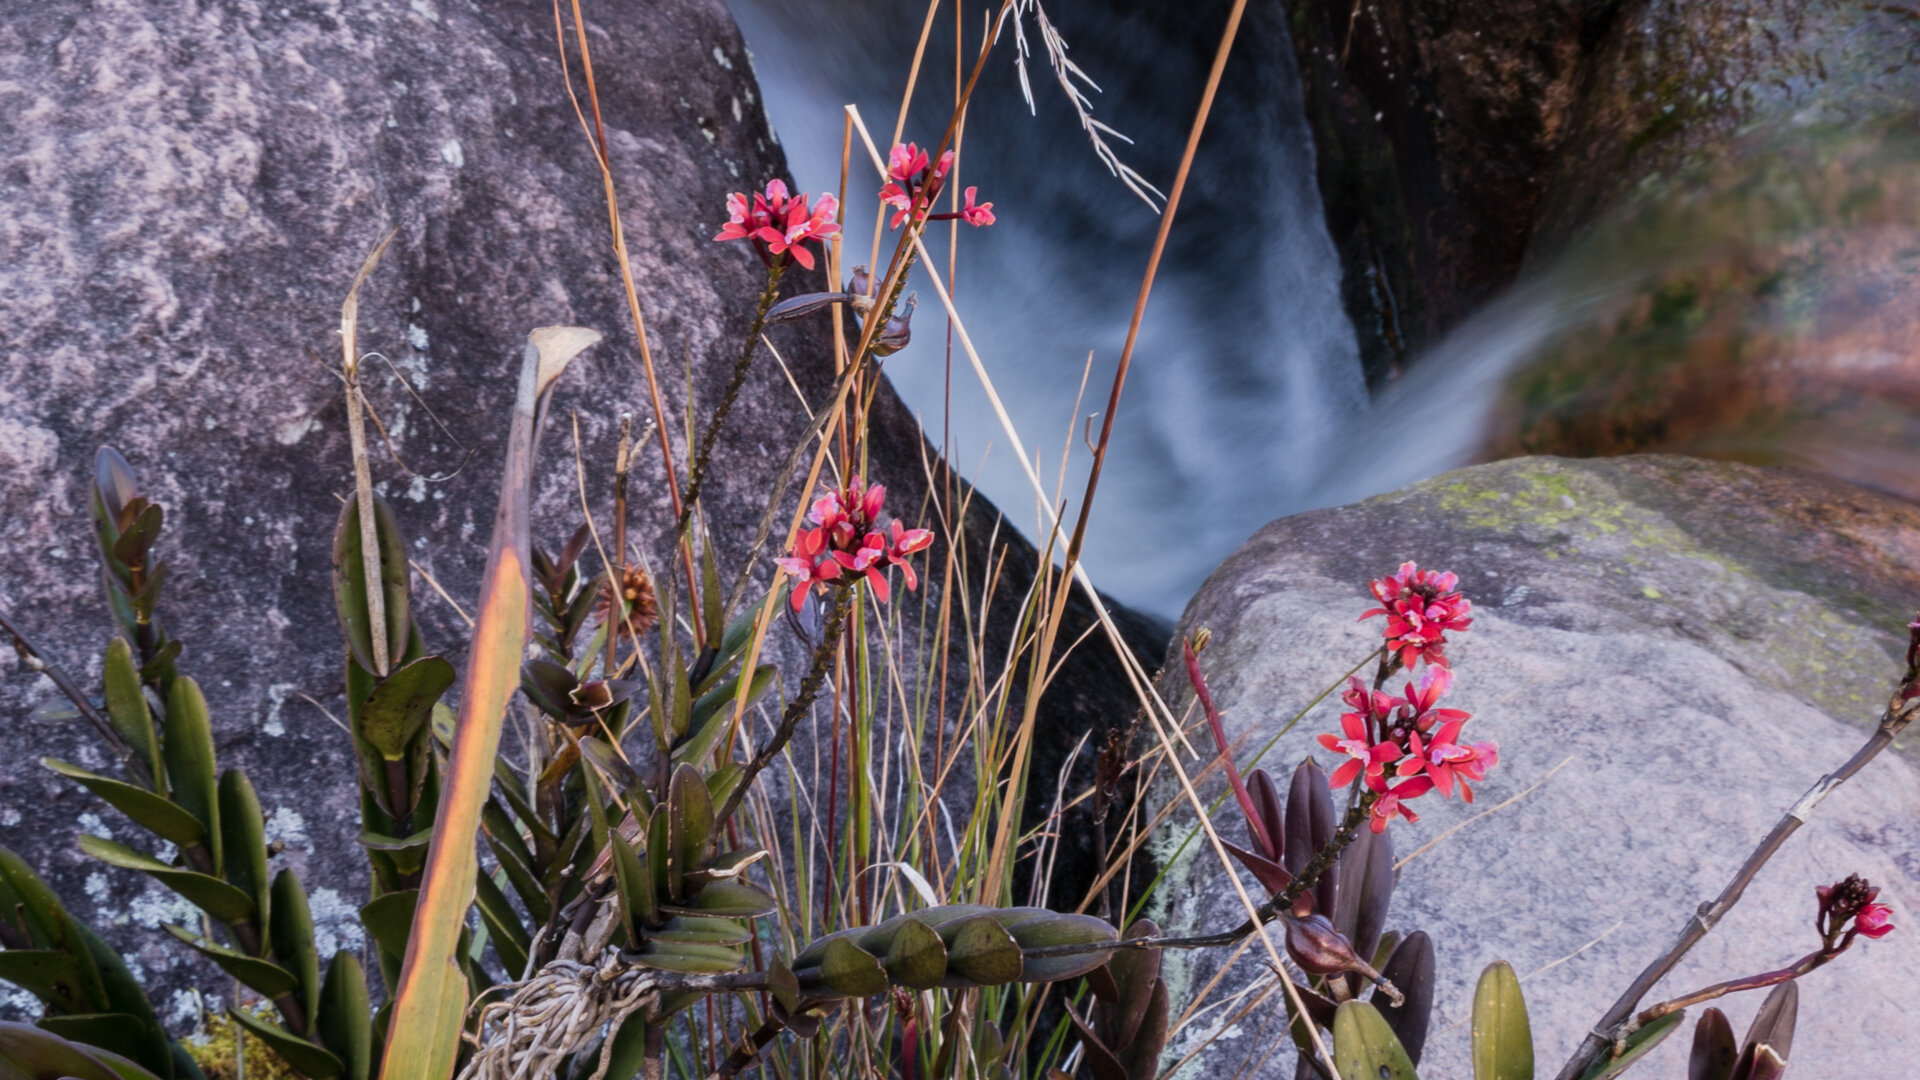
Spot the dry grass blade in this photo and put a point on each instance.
(362, 469)
(1066, 72)
(430, 1000)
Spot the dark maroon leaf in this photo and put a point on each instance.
(1713, 1054)
(1266, 800)
(1310, 826)
(1410, 970)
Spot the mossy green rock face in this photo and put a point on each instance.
(1668, 652)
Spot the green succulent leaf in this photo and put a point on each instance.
(310, 1060)
(635, 890)
(121, 1041)
(690, 958)
(244, 841)
(290, 929)
(188, 752)
(269, 979)
(345, 1024)
(783, 985)
(1364, 1046)
(1039, 928)
(32, 1053)
(401, 706)
(215, 897)
(848, 969)
(54, 977)
(510, 938)
(128, 713)
(733, 899)
(689, 823)
(150, 811)
(917, 957)
(684, 931)
(1502, 1037)
(981, 952)
(389, 920)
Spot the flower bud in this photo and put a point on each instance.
(1319, 949)
(898, 331)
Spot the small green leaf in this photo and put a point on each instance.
(685, 931)
(127, 710)
(689, 823)
(131, 1046)
(1638, 1044)
(714, 712)
(308, 1059)
(784, 987)
(52, 976)
(345, 1023)
(848, 969)
(691, 959)
(1039, 928)
(729, 900)
(290, 929)
(215, 897)
(389, 920)
(188, 751)
(1364, 1046)
(401, 705)
(152, 812)
(917, 957)
(982, 952)
(268, 978)
(1502, 1038)
(636, 892)
(244, 841)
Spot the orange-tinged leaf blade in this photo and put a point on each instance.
(423, 1035)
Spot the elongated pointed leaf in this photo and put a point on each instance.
(215, 897)
(1100, 1058)
(1135, 973)
(691, 958)
(635, 890)
(1310, 827)
(689, 823)
(267, 978)
(244, 840)
(1502, 1038)
(1770, 1036)
(152, 812)
(401, 705)
(1638, 1045)
(510, 938)
(431, 999)
(345, 1024)
(1365, 892)
(1714, 1051)
(290, 929)
(188, 752)
(128, 713)
(312, 1060)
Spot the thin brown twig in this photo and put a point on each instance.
(31, 654)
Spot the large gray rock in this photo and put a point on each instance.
(1697, 643)
(190, 187)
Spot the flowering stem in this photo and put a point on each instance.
(698, 473)
(800, 705)
(1702, 921)
(1733, 986)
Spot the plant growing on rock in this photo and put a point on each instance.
(643, 905)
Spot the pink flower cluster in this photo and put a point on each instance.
(1411, 733)
(846, 539)
(1420, 606)
(913, 181)
(779, 223)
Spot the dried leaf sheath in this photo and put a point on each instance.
(432, 995)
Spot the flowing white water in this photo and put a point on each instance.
(1246, 369)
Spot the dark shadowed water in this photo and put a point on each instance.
(1246, 366)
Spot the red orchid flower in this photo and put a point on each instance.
(1393, 800)
(1420, 606)
(1361, 751)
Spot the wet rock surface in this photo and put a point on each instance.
(189, 190)
(1668, 652)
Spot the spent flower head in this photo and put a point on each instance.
(1848, 908)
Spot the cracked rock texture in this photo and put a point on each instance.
(189, 188)
(1697, 642)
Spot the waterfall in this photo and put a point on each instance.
(1246, 371)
